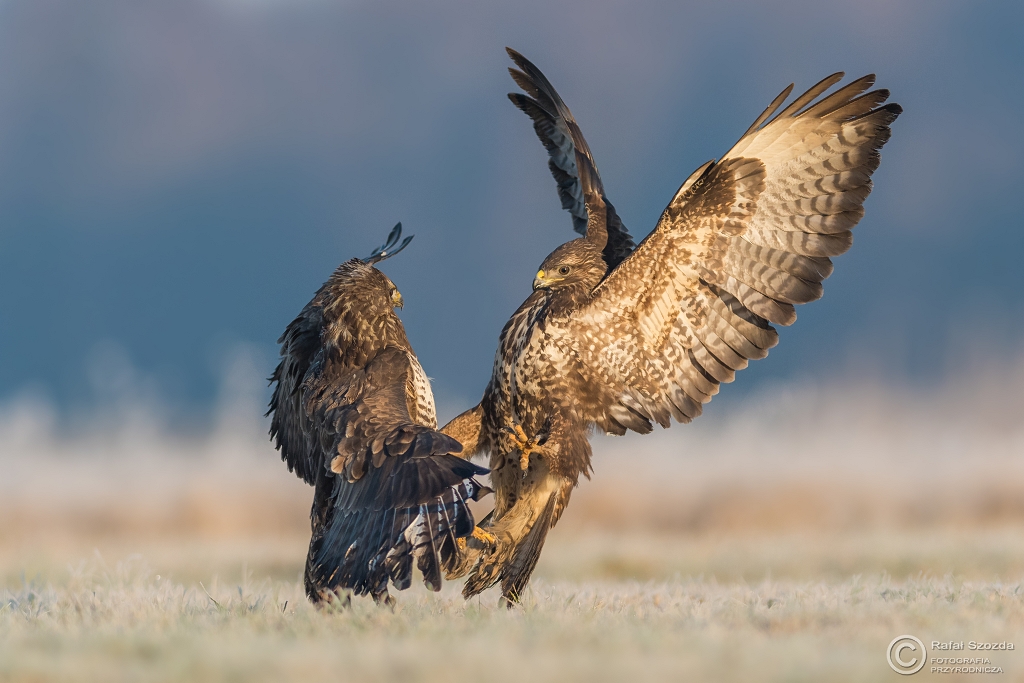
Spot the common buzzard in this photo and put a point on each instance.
(353, 415)
(617, 337)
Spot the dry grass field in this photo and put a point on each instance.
(788, 538)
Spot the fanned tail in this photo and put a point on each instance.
(516, 574)
(361, 549)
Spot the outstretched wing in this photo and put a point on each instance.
(397, 493)
(570, 159)
(742, 241)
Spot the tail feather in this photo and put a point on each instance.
(521, 533)
(361, 550)
(516, 574)
(426, 549)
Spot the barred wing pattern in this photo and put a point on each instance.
(742, 241)
(569, 154)
(392, 490)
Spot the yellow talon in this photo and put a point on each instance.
(484, 536)
(519, 438)
(524, 444)
(524, 441)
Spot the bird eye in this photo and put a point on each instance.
(564, 270)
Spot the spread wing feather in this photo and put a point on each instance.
(742, 242)
(569, 157)
(393, 492)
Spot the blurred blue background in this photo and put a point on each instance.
(177, 178)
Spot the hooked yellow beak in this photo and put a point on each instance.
(541, 281)
(396, 299)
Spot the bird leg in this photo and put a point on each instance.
(483, 538)
(384, 599)
(522, 443)
(333, 599)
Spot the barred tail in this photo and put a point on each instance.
(361, 549)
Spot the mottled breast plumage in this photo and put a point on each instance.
(423, 411)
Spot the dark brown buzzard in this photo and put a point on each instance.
(619, 338)
(353, 415)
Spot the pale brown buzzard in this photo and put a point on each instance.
(619, 338)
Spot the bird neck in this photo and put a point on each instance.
(355, 339)
(566, 299)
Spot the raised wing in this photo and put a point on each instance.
(570, 160)
(391, 490)
(742, 241)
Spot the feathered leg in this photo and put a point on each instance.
(533, 479)
(468, 430)
(384, 599)
(332, 599)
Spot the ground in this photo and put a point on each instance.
(756, 548)
(584, 618)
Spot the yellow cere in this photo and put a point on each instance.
(540, 273)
